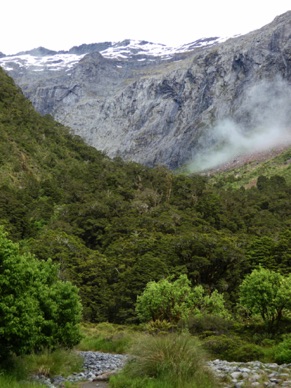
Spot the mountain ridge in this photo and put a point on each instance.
(173, 108)
(135, 44)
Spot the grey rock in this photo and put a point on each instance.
(235, 375)
(165, 110)
(257, 374)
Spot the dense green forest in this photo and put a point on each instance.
(113, 226)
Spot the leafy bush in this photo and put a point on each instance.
(247, 352)
(221, 346)
(208, 324)
(283, 350)
(232, 348)
(169, 361)
(36, 309)
(165, 300)
(267, 293)
(175, 301)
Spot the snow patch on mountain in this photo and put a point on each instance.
(36, 63)
(41, 59)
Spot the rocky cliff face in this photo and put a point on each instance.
(168, 107)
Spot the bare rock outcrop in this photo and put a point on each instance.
(164, 110)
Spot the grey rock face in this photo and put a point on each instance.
(164, 110)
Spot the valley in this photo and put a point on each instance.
(145, 210)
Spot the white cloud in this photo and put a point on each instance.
(267, 107)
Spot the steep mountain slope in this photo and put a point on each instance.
(169, 108)
(113, 226)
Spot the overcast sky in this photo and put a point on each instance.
(61, 24)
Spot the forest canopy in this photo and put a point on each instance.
(113, 226)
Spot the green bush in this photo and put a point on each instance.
(221, 346)
(208, 324)
(170, 360)
(175, 301)
(233, 348)
(36, 308)
(267, 293)
(283, 350)
(247, 352)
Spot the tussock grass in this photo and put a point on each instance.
(172, 361)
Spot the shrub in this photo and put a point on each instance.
(283, 350)
(165, 300)
(232, 348)
(267, 293)
(36, 308)
(175, 301)
(221, 346)
(211, 324)
(247, 352)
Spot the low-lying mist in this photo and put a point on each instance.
(262, 122)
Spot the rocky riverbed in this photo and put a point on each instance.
(99, 366)
(252, 374)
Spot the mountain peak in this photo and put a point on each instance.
(156, 104)
(38, 52)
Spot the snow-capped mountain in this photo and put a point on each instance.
(40, 59)
(160, 105)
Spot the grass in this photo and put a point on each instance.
(107, 337)
(247, 174)
(17, 371)
(10, 381)
(166, 361)
(59, 362)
